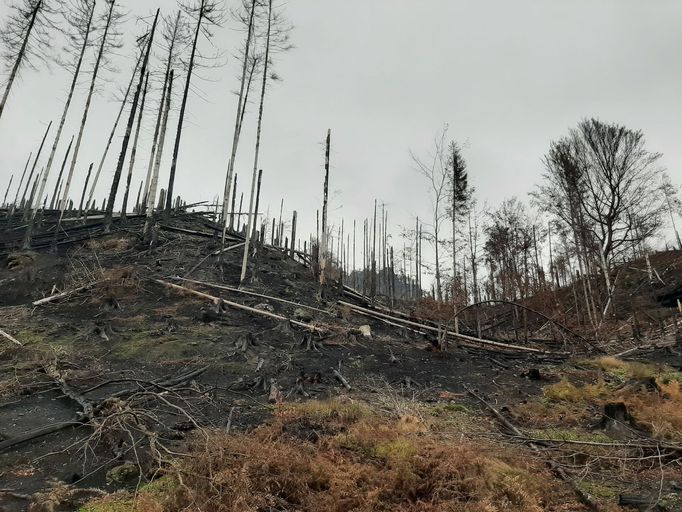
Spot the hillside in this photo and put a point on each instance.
(134, 367)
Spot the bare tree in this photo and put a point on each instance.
(207, 14)
(108, 42)
(108, 217)
(79, 18)
(436, 172)
(245, 16)
(173, 34)
(25, 38)
(673, 203)
(276, 39)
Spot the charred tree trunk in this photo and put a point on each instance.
(33, 168)
(250, 219)
(126, 139)
(133, 152)
(325, 202)
(151, 194)
(87, 179)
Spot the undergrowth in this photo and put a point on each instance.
(341, 456)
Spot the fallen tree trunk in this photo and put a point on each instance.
(61, 295)
(10, 338)
(218, 300)
(479, 341)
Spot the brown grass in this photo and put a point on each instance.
(340, 456)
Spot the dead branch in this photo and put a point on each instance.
(62, 295)
(10, 338)
(340, 378)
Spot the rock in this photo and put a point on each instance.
(302, 315)
(123, 474)
(265, 307)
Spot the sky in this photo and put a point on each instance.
(385, 76)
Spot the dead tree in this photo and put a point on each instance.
(59, 176)
(22, 204)
(21, 182)
(133, 151)
(80, 19)
(25, 37)
(108, 216)
(436, 173)
(9, 185)
(124, 102)
(107, 44)
(244, 86)
(207, 13)
(173, 32)
(151, 195)
(325, 202)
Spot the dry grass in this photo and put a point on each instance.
(340, 456)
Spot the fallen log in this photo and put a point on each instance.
(253, 294)
(236, 305)
(477, 341)
(340, 378)
(10, 338)
(62, 295)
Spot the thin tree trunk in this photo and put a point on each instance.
(133, 152)
(258, 137)
(33, 168)
(234, 202)
(113, 131)
(62, 121)
(325, 201)
(84, 119)
(20, 56)
(85, 187)
(151, 195)
(183, 107)
(373, 275)
(21, 182)
(159, 116)
(138, 207)
(253, 231)
(4, 199)
(57, 185)
(108, 217)
(293, 235)
(241, 108)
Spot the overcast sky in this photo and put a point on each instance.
(385, 75)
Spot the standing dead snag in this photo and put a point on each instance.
(108, 216)
(133, 152)
(22, 204)
(207, 11)
(325, 201)
(80, 19)
(107, 44)
(241, 106)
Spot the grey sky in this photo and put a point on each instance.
(385, 75)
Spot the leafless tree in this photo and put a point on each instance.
(276, 39)
(79, 18)
(435, 170)
(26, 39)
(108, 42)
(131, 120)
(207, 14)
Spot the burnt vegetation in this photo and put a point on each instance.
(160, 355)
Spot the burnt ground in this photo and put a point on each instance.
(125, 334)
